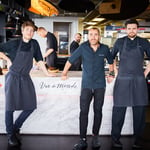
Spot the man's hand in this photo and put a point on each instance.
(147, 70)
(4, 57)
(65, 71)
(110, 79)
(64, 76)
(9, 63)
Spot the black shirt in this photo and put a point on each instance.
(10, 48)
(51, 41)
(73, 46)
(144, 45)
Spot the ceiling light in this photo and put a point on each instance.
(42, 7)
(98, 19)
(90, 23)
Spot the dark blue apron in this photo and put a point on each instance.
(130, 87)
(19, 88)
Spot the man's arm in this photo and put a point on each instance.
(3, 56)
(115, 67)
(65, 71)
(48, 52)
(147, 70)
(70, 61)
(111, 75)
(43, 68)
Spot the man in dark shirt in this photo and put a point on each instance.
(73, 46)
(75, 43)
(50, 54)
(19, 89)
(130, 86)
(93, 55)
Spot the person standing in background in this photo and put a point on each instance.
(93, 55)
(19, 89)
(130, 88)
(51, 50)
(73, 46)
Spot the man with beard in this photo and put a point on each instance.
(73, 46)
(130, 88)
(19, 89)
(93, 55)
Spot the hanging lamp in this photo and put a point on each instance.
(41, 7)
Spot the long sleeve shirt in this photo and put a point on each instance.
(10, 48)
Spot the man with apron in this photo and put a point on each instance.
(73, 46)
(19, 88)
(130, 86)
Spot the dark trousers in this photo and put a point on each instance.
(85, 100)
(10, 126)
(118, 116)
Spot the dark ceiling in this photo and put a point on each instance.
(139, 9)
(90, 9)
(128, 9)
(73, 8)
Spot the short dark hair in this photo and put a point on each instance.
(79, 34)
(131, 21)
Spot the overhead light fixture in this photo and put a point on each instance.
(98, 19)
(90, 23)
(41, 7)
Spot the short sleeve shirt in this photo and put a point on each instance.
(93, 75)
(51, 41)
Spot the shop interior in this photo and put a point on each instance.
(64, 18)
